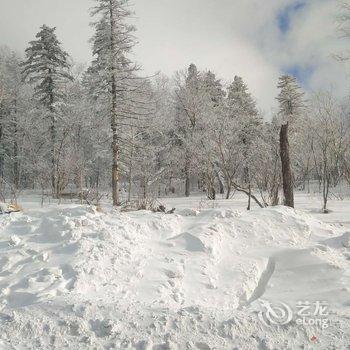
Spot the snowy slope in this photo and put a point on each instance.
(72, 277)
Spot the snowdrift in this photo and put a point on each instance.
(72, 277)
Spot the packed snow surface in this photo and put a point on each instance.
(77, 278)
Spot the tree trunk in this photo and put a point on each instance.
(114, 117)
(2, 160)
(325, 183)
(129, 182)
(187, 181)
(228, 191)
(170, 188)
(325, 195)
(115, 167)
(228, 184)
(130, 173)
(81, 185)
(53, 136)
(221, 185)
(15, 166)
(98, 181)
(274, 195)
(144, 187)
(287, 177)
(53, 154)
(211, 193)
(249, 197)
(16, 177)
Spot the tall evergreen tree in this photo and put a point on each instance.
(213, 87)
(214, 102)
(112, 69)
(242, 107)
(189, 101)
(46, 67)
(240, 100)
(291, 105)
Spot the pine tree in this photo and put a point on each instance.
(240, 100)
(214, 100)
(113, 70)
(291, 105)
(46, 67)
(242, 107)
(214, 88)
(188, 107)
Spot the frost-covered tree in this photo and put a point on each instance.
(269, 173)
(213, 87)
(14, 107)
(189, 109)
(330, 128)
(46, 67)
(242, 108)
(291, 105)
(149, 167)
(114, 72)
(214, 99)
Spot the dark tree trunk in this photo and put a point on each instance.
(130, 180)
(2, 162)
(228, 192)
(211, 193)
(325, 193)
(274, 195)
(115, 141)
(170, 188)
(187, 181)
(115, 166)
(326, 179)
(229, 186)
(249, 197)
(98, 180)
(54, 179)
(221, 185)
(287, 177)
(144, 187)
(16, 175)
(210, 183)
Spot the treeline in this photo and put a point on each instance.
(105, 129)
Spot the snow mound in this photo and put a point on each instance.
(188, 212)
(190, 242)
(73, 277)
(338, 242)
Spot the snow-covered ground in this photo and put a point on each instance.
(210, 276)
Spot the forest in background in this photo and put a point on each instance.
(107, 131)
